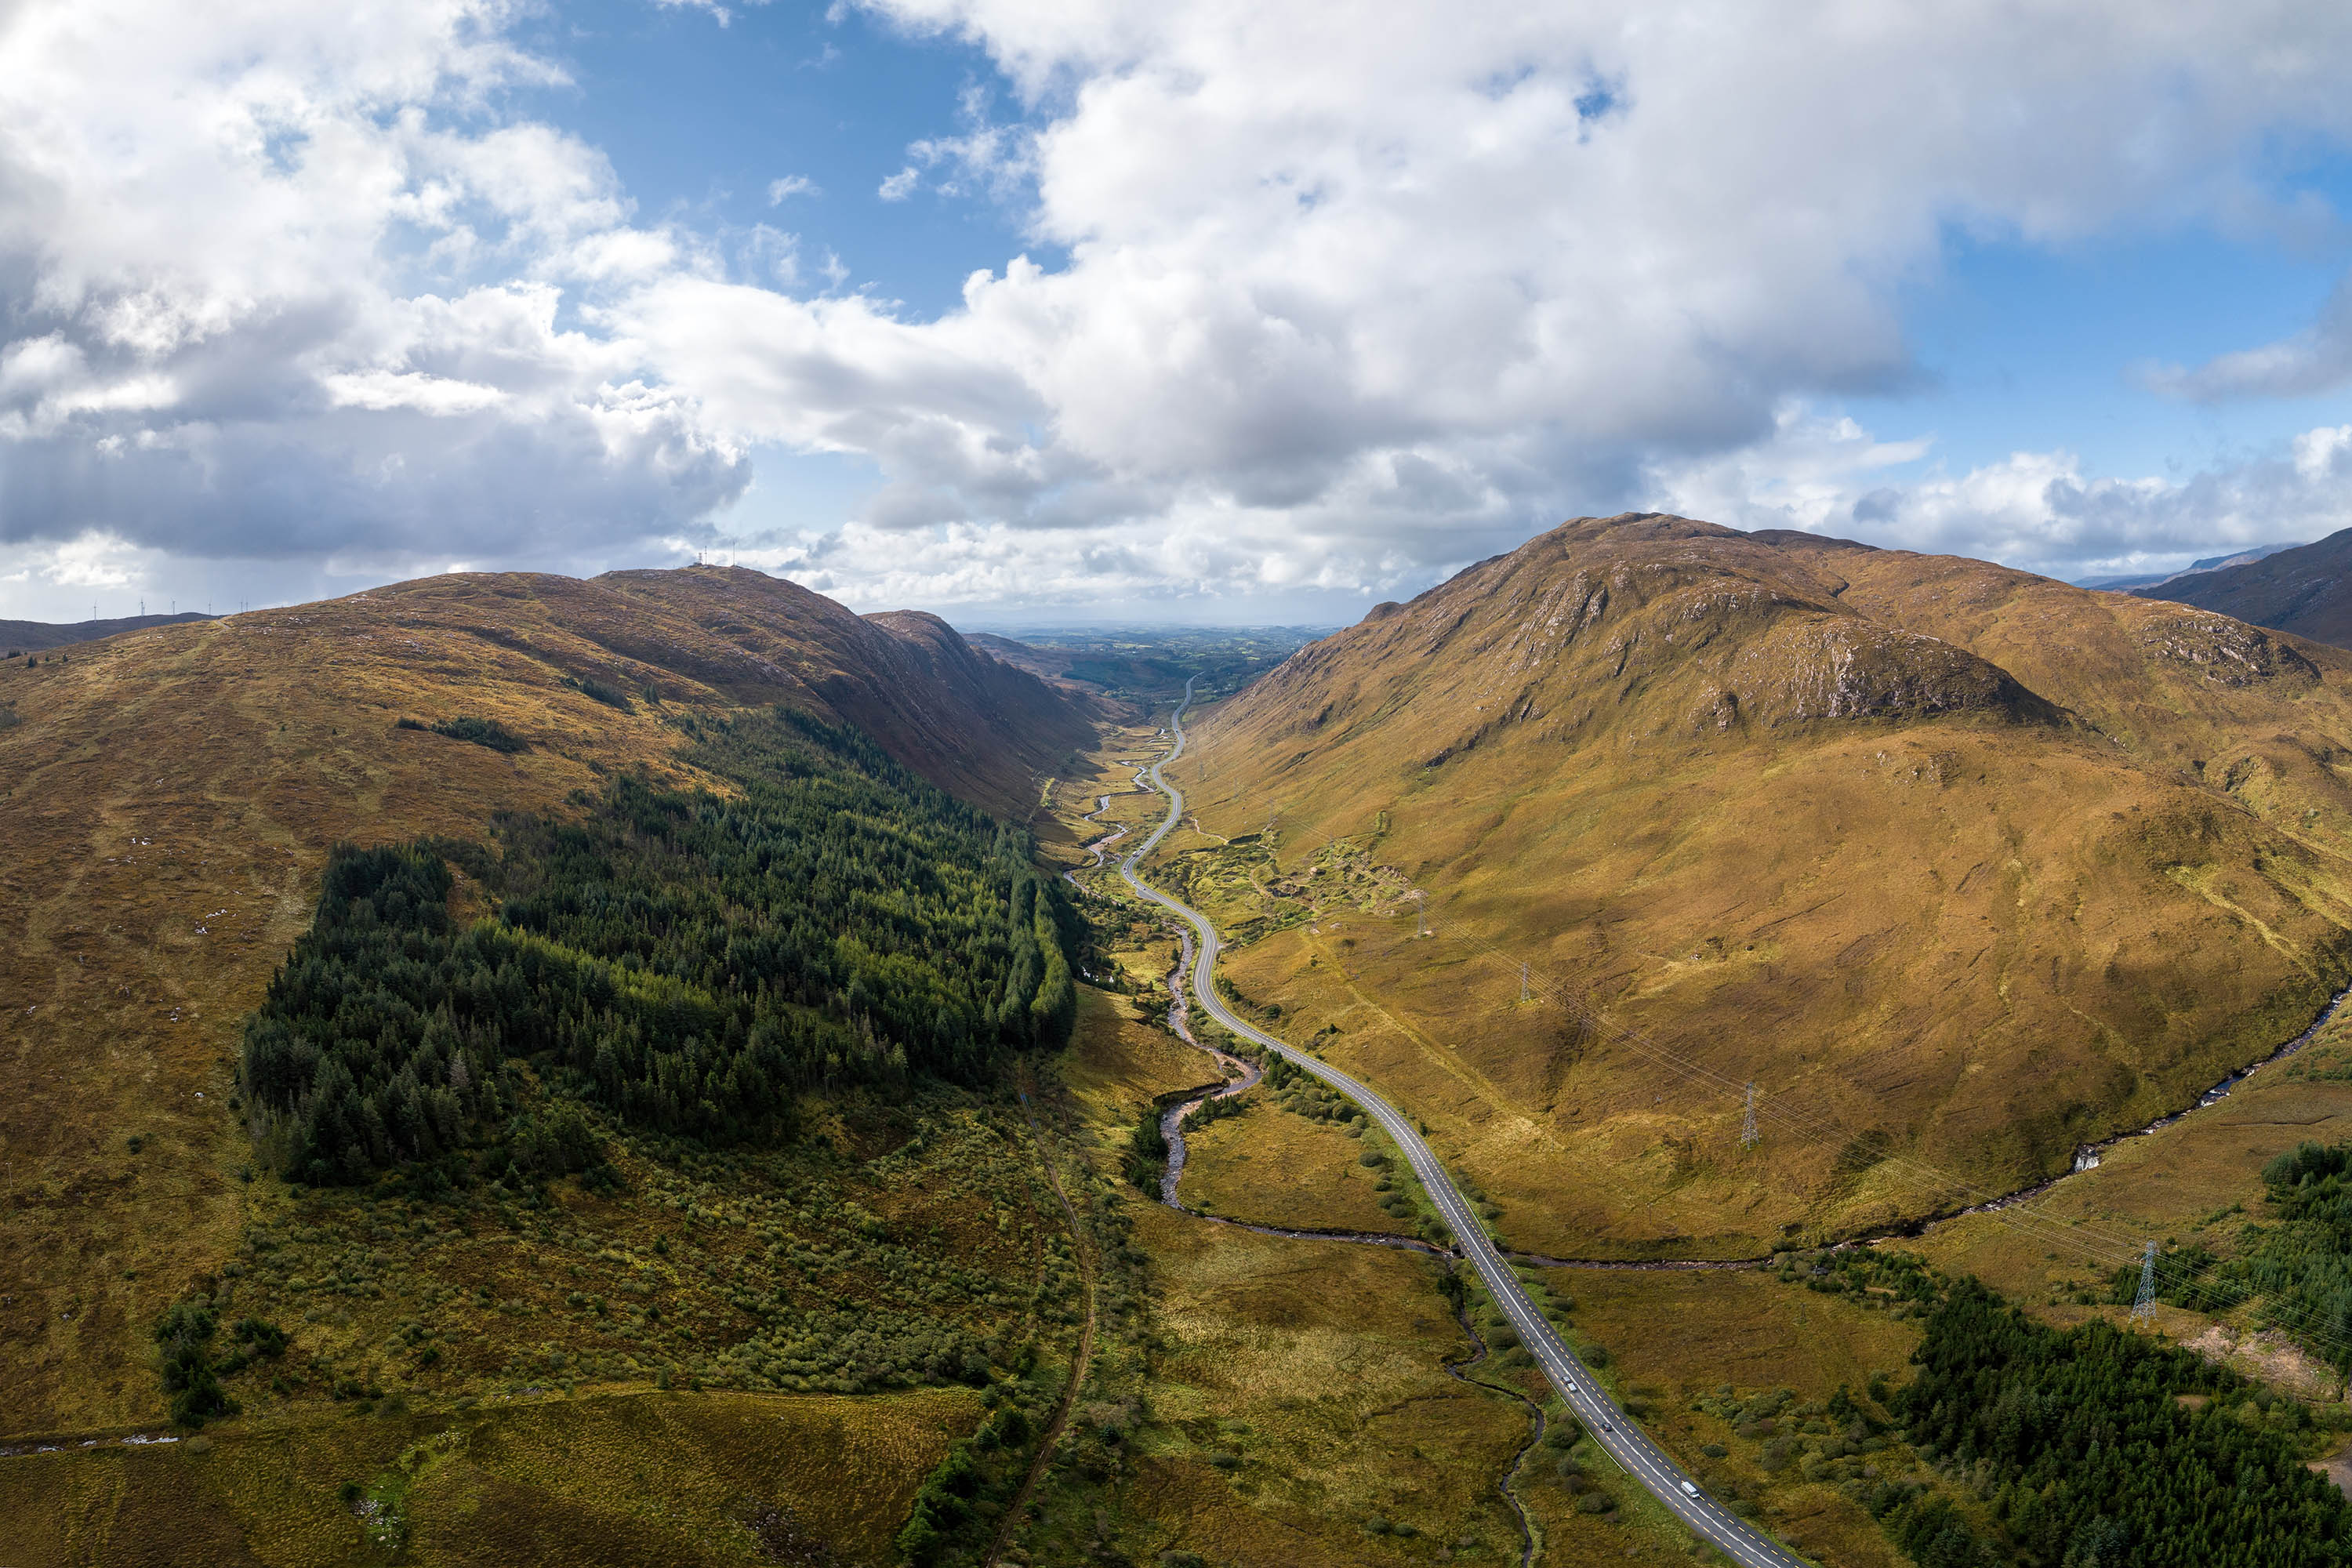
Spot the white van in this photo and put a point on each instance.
(1689, 1490)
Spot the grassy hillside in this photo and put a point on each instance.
(18, 639)
(1968, 862)
(168, 800)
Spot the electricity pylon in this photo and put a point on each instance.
(1748, 1127)
(2145, 1307)
(1523, 982)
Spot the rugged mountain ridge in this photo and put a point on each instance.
(1980, 864)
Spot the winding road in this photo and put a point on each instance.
(1610, 1427)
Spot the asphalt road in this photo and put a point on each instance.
(1608, 1426)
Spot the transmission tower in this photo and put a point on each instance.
(2144, 1308)
(1748, 1127)
(1523, 982)
(1420, 914)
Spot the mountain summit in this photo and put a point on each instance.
(1970, 862)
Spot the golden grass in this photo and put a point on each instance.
(1676, 1336)
(1982, 936)
(1270, 1166)
(2196, 1182)
(651, 1480)
(1318, 1365)
(428, 1297)
(168, 795)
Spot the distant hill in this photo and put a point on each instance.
(1976, 863)
(32, 637)
(2305, 589)
(1096, 669)
(1146, 662)
(2209, 563)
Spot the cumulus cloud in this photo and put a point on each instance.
(275, 289)
(1337, 295)
(2035, 510)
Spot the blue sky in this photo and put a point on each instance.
(700, 120)
(1281, 312)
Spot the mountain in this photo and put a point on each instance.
(168, 798)
(33, 636)
(2209, 563)
(1967, 864)
(2304, 589)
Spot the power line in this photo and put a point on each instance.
(2010, 1210)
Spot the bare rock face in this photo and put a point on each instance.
(2226, 652)
(1843, 666)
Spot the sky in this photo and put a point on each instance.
(1193, 310)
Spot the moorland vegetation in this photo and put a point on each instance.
(173, 796)
(1976, 866)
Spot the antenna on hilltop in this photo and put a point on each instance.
(1747, 1129)
(2144, 1308)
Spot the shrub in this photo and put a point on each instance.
(184, 1337)
(597, 692)
(1146, 1154)
(263, 1338)
(482, 733)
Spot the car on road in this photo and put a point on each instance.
(1689, 1490)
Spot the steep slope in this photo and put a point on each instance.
(2306, 590)
(1975, 864)
(31, 637)
(167, 798)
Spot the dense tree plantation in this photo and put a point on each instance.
(689, 963)
(2298, 1268)
(2098, 1448)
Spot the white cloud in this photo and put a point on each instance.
(2317, 359)
(1337, 295)
(280, 282)
(792, 186)
(2035, 510)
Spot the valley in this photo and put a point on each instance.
(660, 1069)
